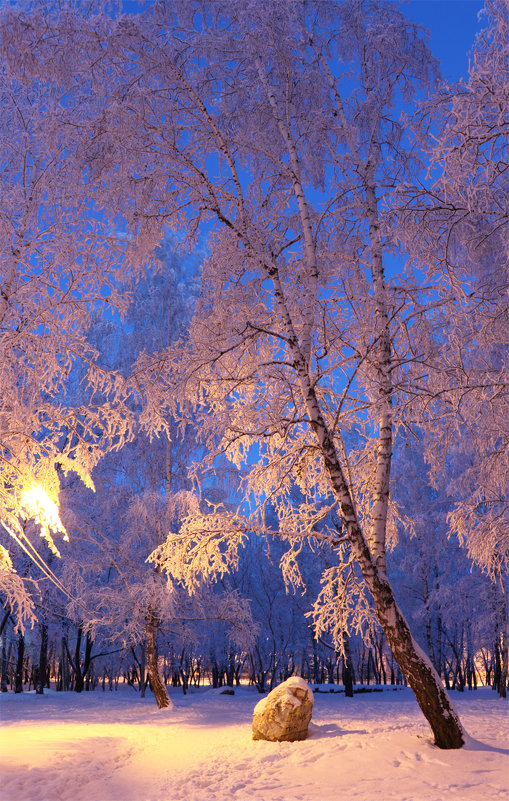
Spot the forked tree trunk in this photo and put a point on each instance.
(420, 673)
(160, 692)
(80, 671)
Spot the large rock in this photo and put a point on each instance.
(285, 713)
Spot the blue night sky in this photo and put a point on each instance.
(453, 25)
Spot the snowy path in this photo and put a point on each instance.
(117, 747)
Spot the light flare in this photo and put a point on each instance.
(45, 512)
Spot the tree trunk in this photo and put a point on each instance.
(80, 671)
(43, 661)
(87, 662)
(502, 651)
(157, 684)
(215, 673)
(78, 675)
(347, 672)
(501, 666)
(502, 687)
(420, 673)
(6, 655)
(18, 681)
(141, 662)
(64, 667)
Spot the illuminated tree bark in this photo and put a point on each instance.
(160, 692)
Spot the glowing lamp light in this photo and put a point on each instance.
(44, 511)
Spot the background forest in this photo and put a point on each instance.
(253, 325)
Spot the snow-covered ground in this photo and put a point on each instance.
(118, 747)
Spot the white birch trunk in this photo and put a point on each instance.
(377, 537)
(310, 292)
